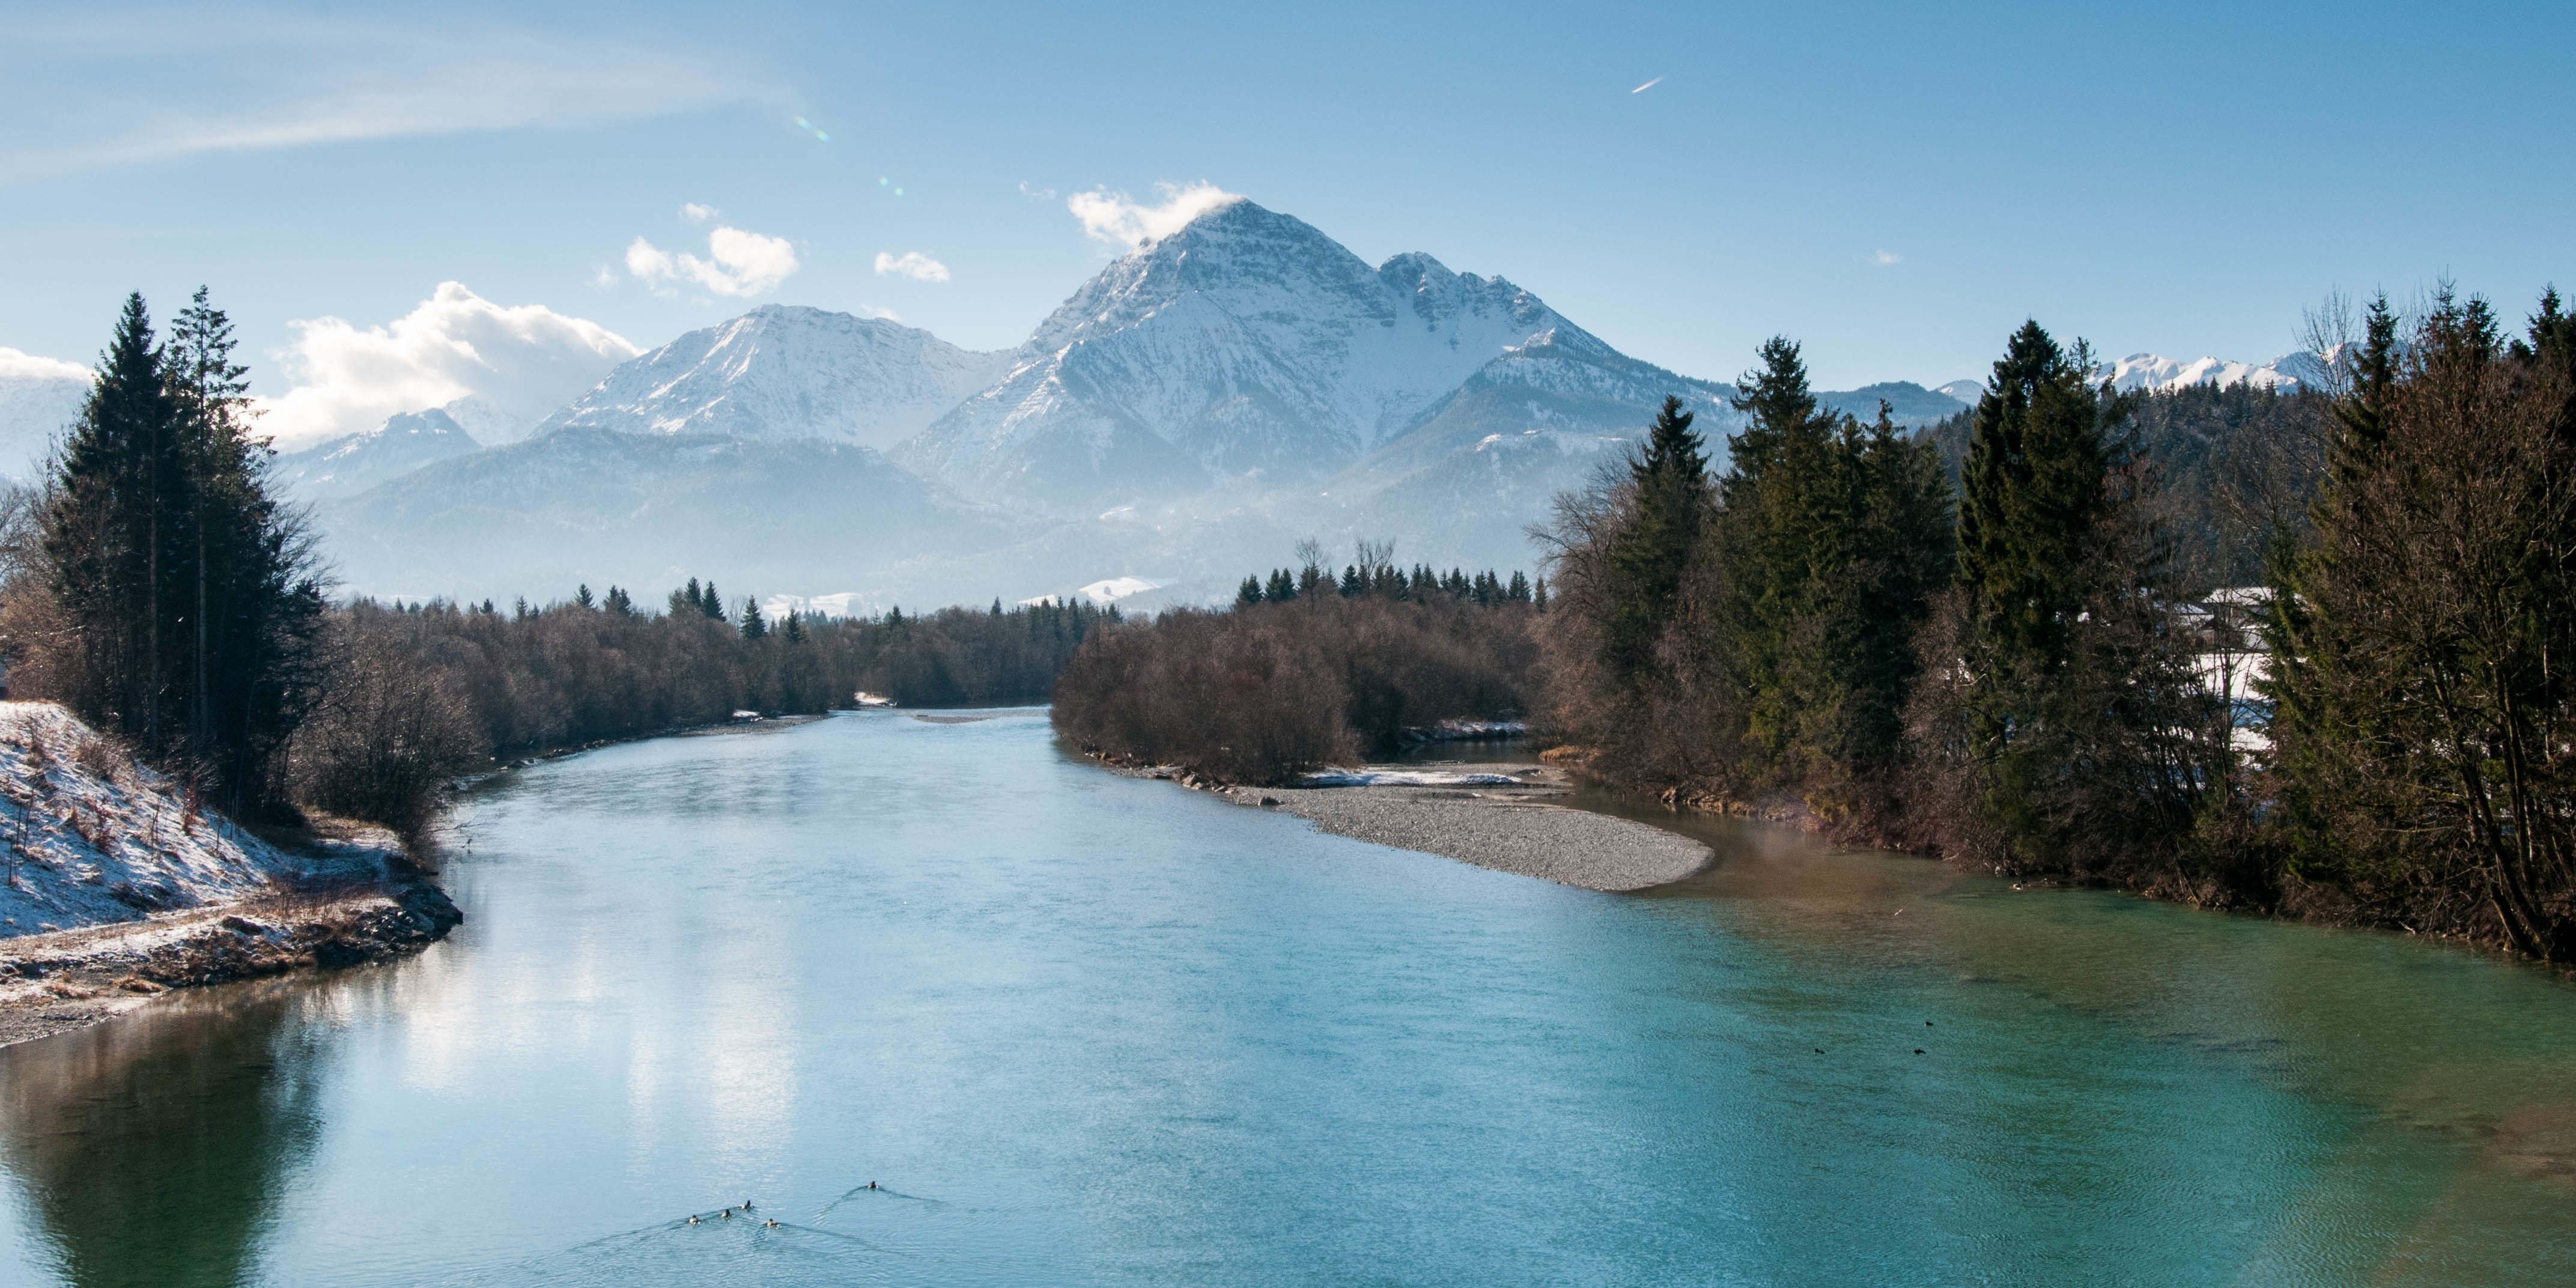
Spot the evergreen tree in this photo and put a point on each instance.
(1282, 587)
(1352, 583)
(1833, 539)
(1650, 553)
(2361, 418)
(2423, 711)
(793, 628)
(1519, 591)
(1249, 593)
(2073, 731)
(581, 596)
(752, 625)
(711, 603)
(2032, 493)
(619, 603)
(188, 608)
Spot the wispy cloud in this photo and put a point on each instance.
(1647, 86)
(1036, 194)
(522, 361)
(1886, 257)
(912, 264)
(184, 85)
(697, 214)
(15, 365)
(1120, 219)
(738, 263)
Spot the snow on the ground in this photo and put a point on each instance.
(1469, 730)
(87, 836)
(1107, 590)
(1407, 778)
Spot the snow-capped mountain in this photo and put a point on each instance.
(39, 398)
(1966, 392)
(783, 372)
(353, 463)
(1247, 346)
(2153, 371)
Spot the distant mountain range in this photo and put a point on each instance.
(1186, 416)
(38, 398)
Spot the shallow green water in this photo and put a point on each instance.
(1086, 1029)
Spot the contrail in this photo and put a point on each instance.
(1647, 86)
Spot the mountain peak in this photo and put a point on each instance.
(787, 371)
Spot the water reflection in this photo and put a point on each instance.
(154, 1151)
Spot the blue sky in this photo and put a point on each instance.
(1893, 185)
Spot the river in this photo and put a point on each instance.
(1085, 1029)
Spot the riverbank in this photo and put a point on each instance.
(1516, 825)
(68, 979)
(117, 883)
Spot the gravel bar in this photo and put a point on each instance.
(1509, 829)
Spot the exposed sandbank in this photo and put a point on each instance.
(1519, 828)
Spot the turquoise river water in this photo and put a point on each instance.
(1084, 1029)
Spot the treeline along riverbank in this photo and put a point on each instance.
(1305, 671)
(2299, 653)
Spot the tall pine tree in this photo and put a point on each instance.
(185, 608)
(1652, 549)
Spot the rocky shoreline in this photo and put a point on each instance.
(68, 979)
(1516, 826)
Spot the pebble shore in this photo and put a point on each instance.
(1518, 829)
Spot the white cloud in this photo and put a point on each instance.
(1886, 257)
(15, 365)
(912, 264)
(697, 214)
(1036, 194)
(738, 263)
(522, 363)
(122, 93)
(1647, 86)
(1116, 217)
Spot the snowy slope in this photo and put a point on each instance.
(352, 464)
(782, 372)
(1248, 345)
(91, 837)
(2153, 371)
(39, 397)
